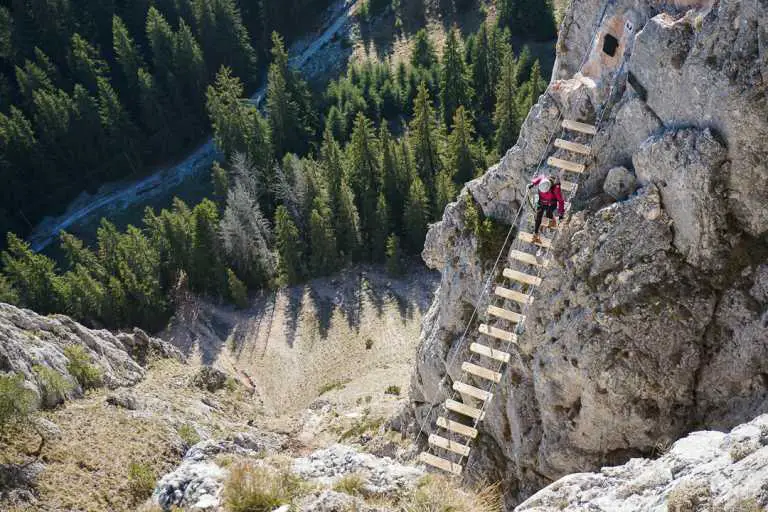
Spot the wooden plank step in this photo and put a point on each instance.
(528, 237)
(472, 391)
(521, 277)
(486, 351)
(566, 164)
(506, 314)
(526, 258)
(568, 186)
(512, 295)
(456, 427)
(483, 373)
(579, 127)
(497, 333)
(447, 444)
(465, 410)
(440, 463)
(573, 147)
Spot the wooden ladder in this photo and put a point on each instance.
(457, 426)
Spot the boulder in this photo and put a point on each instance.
(619, 183)
(209, 379)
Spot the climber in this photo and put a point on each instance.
(550, 197)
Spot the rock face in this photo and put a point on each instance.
(652, 320)
(29, 341)
(704, 471)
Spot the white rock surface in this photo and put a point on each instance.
(381, 475)
(705, 471)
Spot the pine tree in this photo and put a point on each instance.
(461, 154)
(425, 138)
(323, 258)
(207, 272)
(238, 292)
(224, 38)
(394, 256)
(505, 115)
(365, 174)
(445, 193)
(161, 41)
(32, 276)
(86, 64)
(220, 181)
(119, 130)
(189, 67)
(129, 59)
(416, 216)
(423, 52)
(289, 247)
(288, 106)
(381, 229)
(454, 84)
(392, 178)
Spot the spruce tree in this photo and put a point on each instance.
(416, 216)
(289, 247)
(445, 193)
(461, 157)
(207, 272)
(86, 64)
(381, 229)
(505, 116)
(394, 255)
(425, 138)
(128, 57)
(32, 276)
(423, 54)
(238, 292)
(454, 84)
(365, 174)
(323, 258)
(347, 222)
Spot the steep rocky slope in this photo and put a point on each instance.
(653, 317)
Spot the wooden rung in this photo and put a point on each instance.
(440, 463)
(568, 186)
(456, 427)
(465, 410)
(566, 164)
(486, 351)
(506, 314)
(573, 147)
(472, 391)
(497, 333)
(521, 277)
(528, 237)
(512, 295)
(447, 444)
(579, 127)
(526, 258)
(483, 373)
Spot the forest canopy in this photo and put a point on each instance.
(313, 182)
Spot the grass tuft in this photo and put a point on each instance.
(16, 401)
(327, 388)
(256, 489)
(352, 484)
(53, 384)
(189, 435)
(141, 481)
(436, 493)
(79, 365)
(392, 390)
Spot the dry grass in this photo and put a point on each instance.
(352, 484)
(252, 488)
(439, 494)
(688, 497)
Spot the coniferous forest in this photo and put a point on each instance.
(95, 91)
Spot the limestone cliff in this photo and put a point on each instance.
(653, 317)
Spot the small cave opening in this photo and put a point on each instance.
(610, 44)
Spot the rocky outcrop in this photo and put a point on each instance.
(653, 317)
(704, 471)
(197, 483)
(380, 475)
(30, 342)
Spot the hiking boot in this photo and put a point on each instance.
(552, 224)
(536, 239)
